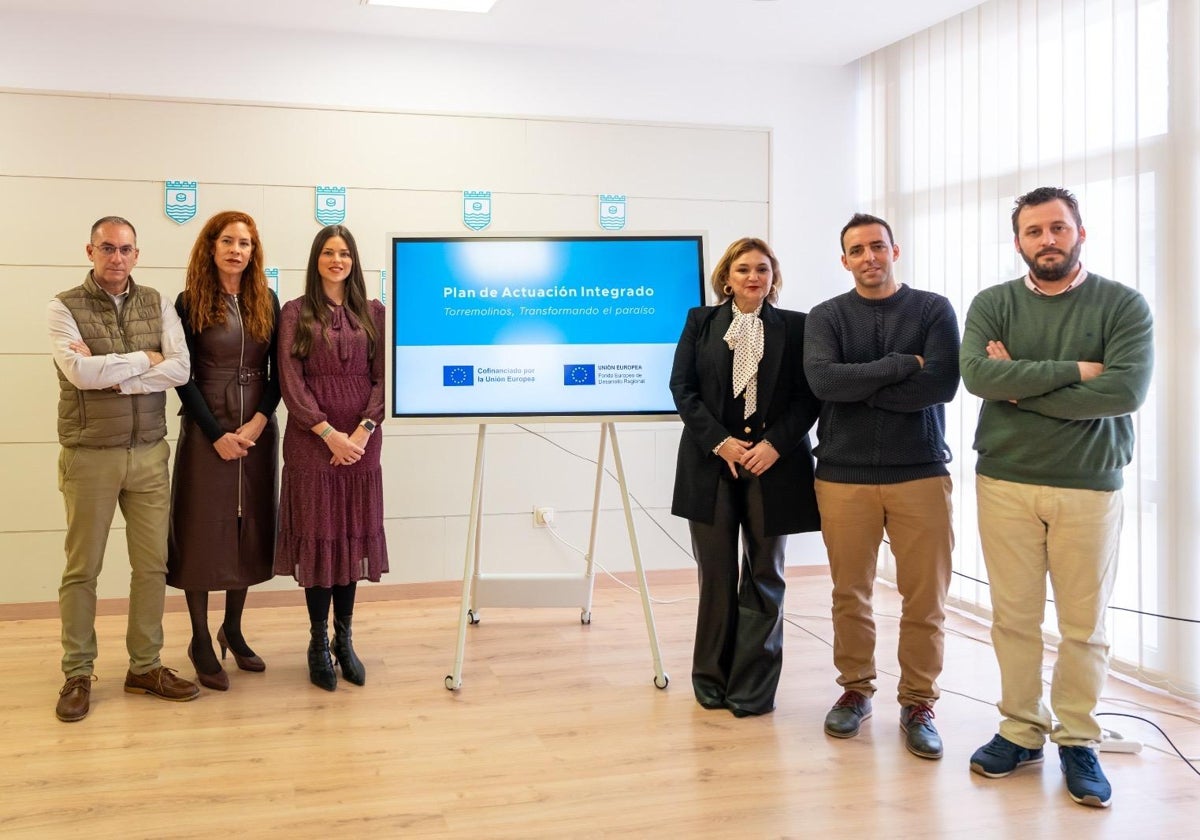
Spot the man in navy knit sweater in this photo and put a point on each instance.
(1062, 358)
(884, 359)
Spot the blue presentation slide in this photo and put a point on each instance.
(550, 326)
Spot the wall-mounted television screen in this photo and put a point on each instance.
(557, 327)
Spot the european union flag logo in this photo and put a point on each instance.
(579, 374)
(453, 375)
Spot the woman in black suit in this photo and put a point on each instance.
(745, 467)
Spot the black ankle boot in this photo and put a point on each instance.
(320, 665)
(352, 667)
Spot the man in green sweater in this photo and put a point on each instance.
(1061, 358)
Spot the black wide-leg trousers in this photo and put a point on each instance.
(738, 656)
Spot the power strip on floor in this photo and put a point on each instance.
(1115, 742)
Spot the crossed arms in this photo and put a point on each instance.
(1065, 389)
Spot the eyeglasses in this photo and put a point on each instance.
(108, 250)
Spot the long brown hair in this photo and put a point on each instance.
(313, 306)
(202, 285)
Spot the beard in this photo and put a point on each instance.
(1053, 273)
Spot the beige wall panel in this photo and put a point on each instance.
(640, 160)
(426, 475)
(29, 497)
(637, 454)
(454, 547)
(539, 213)
(414, 151)
(421, 152)
(291, 283)
(658, 550)
(279, 583)
(287, 224)
(417, 550)
(558, 480)
(32, 376)
(722, 221)
(32, 566)
(565, 481)
(373, 214)
(277, 145)
(45, 221)
(290, 225)
(23, 317)
(32, 562)
(512, 546)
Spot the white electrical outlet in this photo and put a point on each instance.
(543, 517)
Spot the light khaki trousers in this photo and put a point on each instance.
(916, 515)
(1028, 531)
(93, 482)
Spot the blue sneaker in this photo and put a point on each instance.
(999, 757)
(1086, 782)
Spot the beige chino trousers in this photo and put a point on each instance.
(917, 517)
(1029, 531)
(93, 483)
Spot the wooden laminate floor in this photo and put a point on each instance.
(557, 731)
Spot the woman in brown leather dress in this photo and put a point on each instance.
(223, 495)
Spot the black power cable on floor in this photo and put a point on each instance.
(1110, 606)
(1185, 759)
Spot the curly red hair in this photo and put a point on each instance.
(202, 286)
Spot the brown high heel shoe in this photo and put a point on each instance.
(217, 682)
(253, 662)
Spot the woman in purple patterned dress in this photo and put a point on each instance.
(331, 352)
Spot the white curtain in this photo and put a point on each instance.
(1102, 97)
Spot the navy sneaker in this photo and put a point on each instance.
(999, 757)
(920, 735)
(847, 714)
(1086, 782)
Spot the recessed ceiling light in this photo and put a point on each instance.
(481, 6)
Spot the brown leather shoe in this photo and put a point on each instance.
(74, 699)
(161, 682)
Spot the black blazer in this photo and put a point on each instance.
(700, 381)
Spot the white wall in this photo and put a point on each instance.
(808, 111)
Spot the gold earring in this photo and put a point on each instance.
(727, 289)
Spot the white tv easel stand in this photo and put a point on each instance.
(543, 590)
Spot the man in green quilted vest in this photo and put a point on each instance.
(118, 348)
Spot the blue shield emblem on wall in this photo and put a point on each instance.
(612, 212)
(179, 201)
(272, 274)
(477, 209)
(331, 205)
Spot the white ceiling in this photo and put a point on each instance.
(813, 32)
